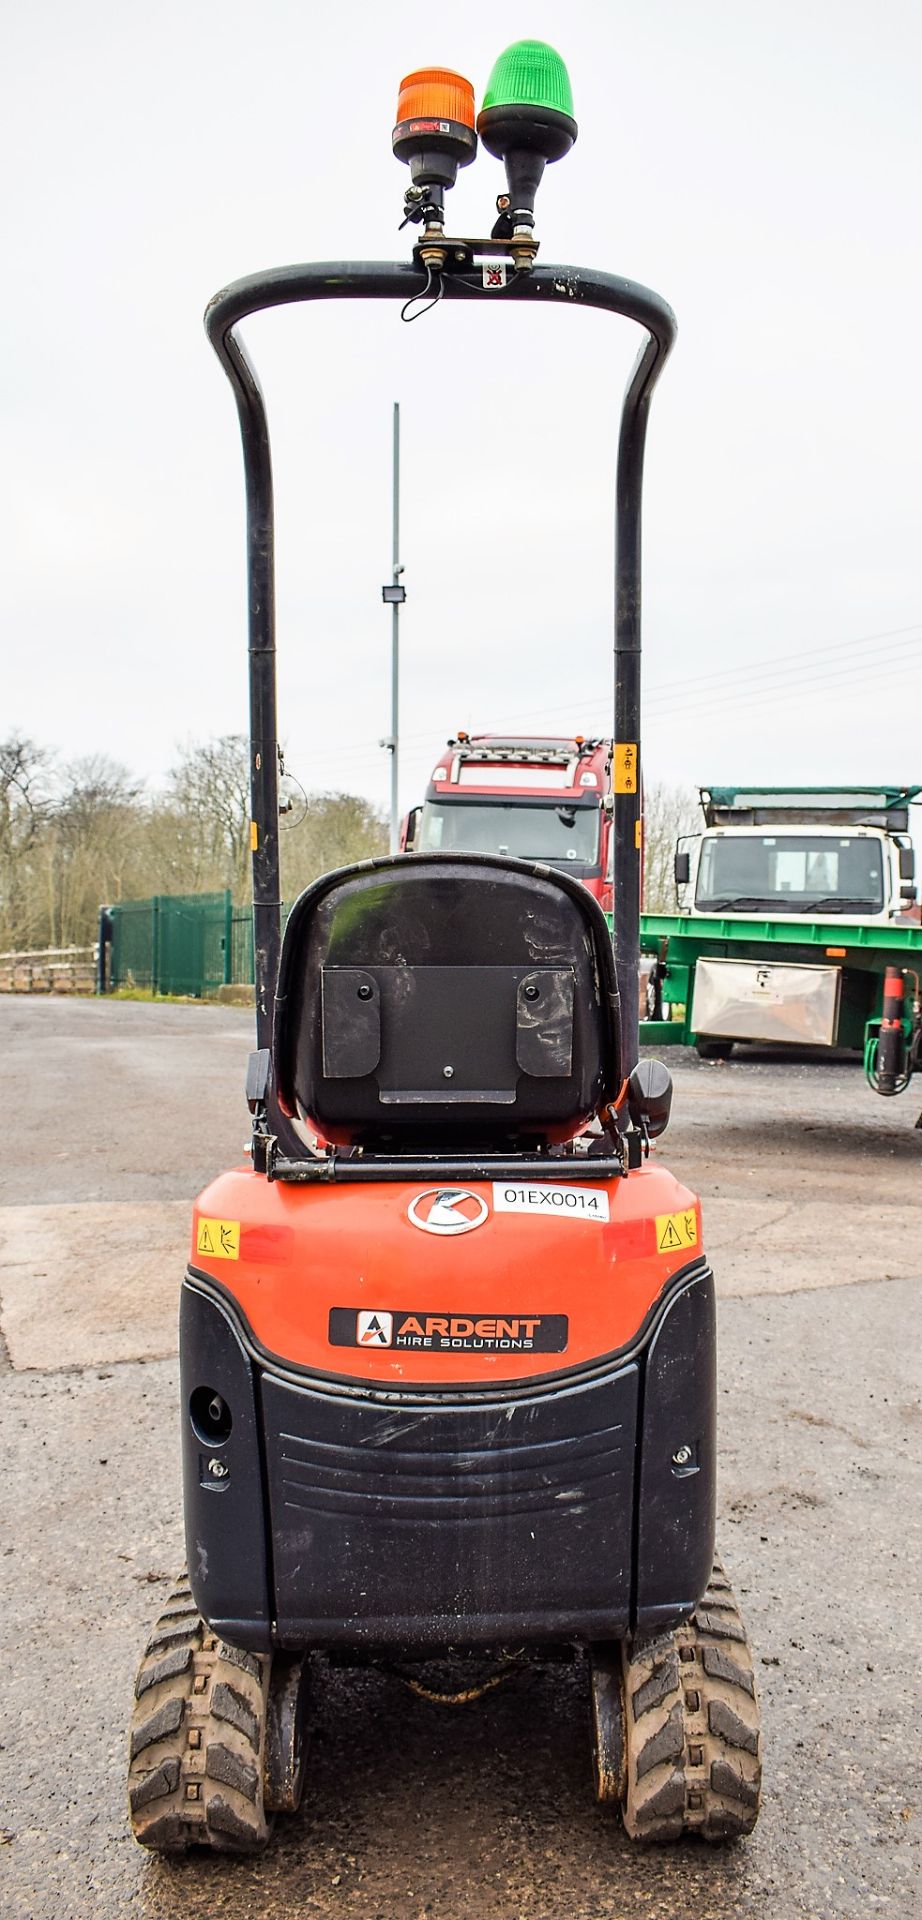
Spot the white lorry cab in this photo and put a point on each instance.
(813, 853)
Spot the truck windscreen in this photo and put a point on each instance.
(549, 831)
(790, 873)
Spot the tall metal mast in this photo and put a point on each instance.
(394, 596)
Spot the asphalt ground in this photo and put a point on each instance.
(116, 1114)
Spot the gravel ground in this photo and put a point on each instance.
(486, 1811)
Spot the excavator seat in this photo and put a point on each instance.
(446, 1002)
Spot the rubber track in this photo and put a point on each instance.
(198, 1734)
(693, 1745)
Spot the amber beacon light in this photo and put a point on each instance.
(435, 126)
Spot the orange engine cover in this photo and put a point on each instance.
(413, 1284)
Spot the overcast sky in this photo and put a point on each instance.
(759, 166)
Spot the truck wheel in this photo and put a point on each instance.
(713, 1049)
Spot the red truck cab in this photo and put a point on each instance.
(533, 799)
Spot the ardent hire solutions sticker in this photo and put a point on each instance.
(563, 1201)
(448, 1332)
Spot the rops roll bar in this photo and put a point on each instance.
(571, 287)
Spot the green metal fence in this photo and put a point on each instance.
(241, 946)
(184, 943)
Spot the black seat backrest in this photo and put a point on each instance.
(446, 1001)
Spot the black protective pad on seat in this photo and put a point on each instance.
(446, 1000)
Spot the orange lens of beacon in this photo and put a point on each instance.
(435, 93)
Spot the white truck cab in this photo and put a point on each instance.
(813, 854)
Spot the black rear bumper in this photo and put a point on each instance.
(334, 1515)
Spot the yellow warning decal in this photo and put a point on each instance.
(624, 767)
(675, 1232)
(254, 836)
(219, 1239)
(638, 833)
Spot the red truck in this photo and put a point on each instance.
(533, 799)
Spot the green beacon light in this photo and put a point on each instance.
(526, 120)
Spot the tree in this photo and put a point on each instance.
(91, 845)
(209, 800)
(667, 812)
(24, 798)
(87, 835)
(334, 830)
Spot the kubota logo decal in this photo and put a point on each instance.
(448, 1210)
(448, 1332)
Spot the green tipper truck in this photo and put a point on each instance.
(797, 924)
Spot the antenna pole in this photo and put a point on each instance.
(395, 639)
(394, 597)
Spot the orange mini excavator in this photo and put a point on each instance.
(448, 1341)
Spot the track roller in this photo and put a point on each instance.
(691, 1760)
(198, 1744)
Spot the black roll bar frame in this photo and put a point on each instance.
(547, 285)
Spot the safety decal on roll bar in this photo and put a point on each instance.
(563, 1201)
(624, 766)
